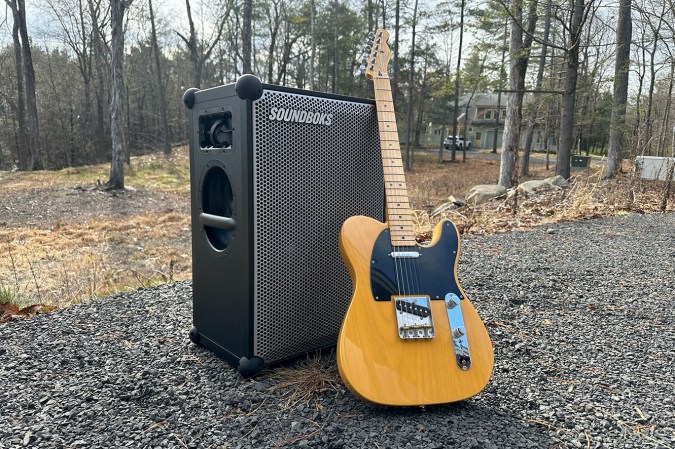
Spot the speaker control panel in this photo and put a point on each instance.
(215, 131)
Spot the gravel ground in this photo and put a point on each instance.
(580, 315)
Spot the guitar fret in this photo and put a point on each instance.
(399, 233)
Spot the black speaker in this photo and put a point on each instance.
(274, 172)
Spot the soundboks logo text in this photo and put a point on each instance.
(294, 115)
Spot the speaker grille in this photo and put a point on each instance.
(308, 179)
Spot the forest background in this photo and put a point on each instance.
(599, 80)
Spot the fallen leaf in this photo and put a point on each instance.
(31, 310)
(8, 309)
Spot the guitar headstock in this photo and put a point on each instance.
(376, 55)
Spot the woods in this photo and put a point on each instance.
(85, 81)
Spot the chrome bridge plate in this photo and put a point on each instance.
(413, 317)
(457, 331)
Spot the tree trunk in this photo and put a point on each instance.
(519, 53)
(411, 78)
(191, 44)
(384, 13)
(564, 153)
(395, 65)
(22, 138)
(529, 137)
(116, 180)
(501, 87)
(453, 141)
(313, 44)
(246, 32)
(33, 128)
(336, 73)
(100, 63)
(160, 84)
(273, 26)
(656, 30)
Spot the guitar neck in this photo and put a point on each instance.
(399, 214)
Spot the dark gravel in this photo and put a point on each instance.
(581, 317)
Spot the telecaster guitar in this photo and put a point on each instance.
(410, 335)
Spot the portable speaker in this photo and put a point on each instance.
(274, 172)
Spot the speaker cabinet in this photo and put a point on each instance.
(274, 172)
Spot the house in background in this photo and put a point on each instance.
(482, 119)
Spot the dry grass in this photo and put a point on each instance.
(67, 258)
(72, 259)
(75, 262)
(589, 196)
(153, 171)
(430, 183)
(304, 381)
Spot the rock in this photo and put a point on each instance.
(452, 204)
(459, 202)
(532, 187)
(483, 193)
(558, 181)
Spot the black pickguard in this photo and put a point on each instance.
(432, 273)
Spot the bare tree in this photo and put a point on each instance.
(519, 53)
(408, 163)
(98, 13)
(453, 141)
(78, 33)
(117, 118)
(160, 83)
(22, 138)
(312, 57)
(620, 94)
(246, 36)
(529, 136)
(18, 8)
(336, 53)
(200, 50)
(274, 13)
(577, 18)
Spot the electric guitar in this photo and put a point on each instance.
(410, 335)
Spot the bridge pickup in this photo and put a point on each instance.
(413, 308)
(404, 254)
(413, 317)
(460, 343)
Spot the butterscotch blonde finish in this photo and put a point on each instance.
(379, 366)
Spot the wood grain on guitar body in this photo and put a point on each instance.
(410, 336)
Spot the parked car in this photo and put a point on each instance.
(461, 143)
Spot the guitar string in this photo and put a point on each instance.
(407, 271)
(407, 281)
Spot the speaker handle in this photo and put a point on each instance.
(216, 221)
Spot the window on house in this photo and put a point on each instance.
(488, 114)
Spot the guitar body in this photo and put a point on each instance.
(375, 362)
